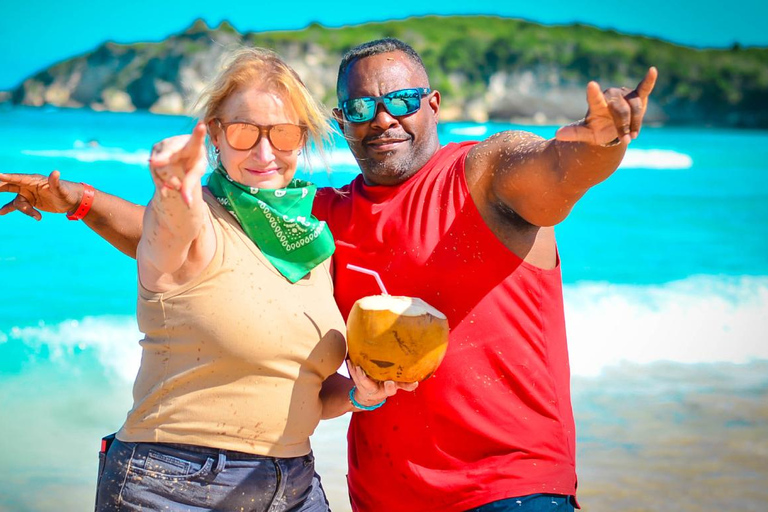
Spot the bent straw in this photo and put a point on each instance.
(370, 273)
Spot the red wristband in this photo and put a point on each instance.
(85, 203)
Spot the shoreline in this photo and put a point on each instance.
(666, 436)
(534, 121)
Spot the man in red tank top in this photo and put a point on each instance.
(466, 227)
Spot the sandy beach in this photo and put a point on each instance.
(650, 437)
(682, 438)
(664, 437)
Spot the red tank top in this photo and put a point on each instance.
(495, 420)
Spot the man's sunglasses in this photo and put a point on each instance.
(244, 136)
(398, 103)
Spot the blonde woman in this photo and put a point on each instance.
(243, 337)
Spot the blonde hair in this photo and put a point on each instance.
(254, 66)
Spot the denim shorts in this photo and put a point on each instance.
(172, 477)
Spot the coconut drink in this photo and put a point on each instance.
(403, 339)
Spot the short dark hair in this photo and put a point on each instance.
(371, 48)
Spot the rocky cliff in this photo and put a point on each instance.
(487, 68)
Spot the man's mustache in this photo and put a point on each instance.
(390, 134)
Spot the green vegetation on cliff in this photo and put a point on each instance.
(485, 66)
(726, 82)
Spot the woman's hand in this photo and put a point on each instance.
(370, 392)
(175, 245)
(178, 163)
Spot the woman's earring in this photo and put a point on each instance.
(217, 150)
(299, 152)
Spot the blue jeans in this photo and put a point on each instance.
(171, 478)
(532, 503)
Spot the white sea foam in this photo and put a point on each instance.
(697, 320)
(114, 339)
(342, 158)
(334, 159)
(89, 154)
(655, 159)
(471, 131)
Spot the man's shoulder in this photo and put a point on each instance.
(447, 158)
(329, 199)
(334, 193)
(453, 149)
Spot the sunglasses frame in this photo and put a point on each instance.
(263, 130)
(383, 100)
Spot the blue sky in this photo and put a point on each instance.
(37, 33)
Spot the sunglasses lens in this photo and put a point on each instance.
(242, 136)
(402, 103)
(359, 110)
(286, 137)
(398, 103)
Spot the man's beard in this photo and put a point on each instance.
(396, 166)
(392, 167)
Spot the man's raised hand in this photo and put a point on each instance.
(616, 113)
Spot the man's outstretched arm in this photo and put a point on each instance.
(541, 180)
(116, 220)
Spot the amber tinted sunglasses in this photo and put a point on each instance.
(244, 136)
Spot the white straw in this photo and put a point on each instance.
(370, 273)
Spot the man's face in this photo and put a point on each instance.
(389, 149)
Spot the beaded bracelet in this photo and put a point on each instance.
(357, 404)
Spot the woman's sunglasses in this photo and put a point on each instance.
(398, 103)
(244, 136)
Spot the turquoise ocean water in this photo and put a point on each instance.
(666, 283)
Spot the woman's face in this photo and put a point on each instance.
(262, 166)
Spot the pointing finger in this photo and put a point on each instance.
(8, 187)
(195, 146)
(14, 182)
(645, 87)
(13, 179)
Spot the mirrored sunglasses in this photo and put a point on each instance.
(244, 136)
(398, 103)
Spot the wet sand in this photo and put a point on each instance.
(674, 437)
(668, 437)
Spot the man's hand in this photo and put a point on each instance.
(614, 114)
(36, 193)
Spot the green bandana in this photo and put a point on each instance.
(279, 221)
